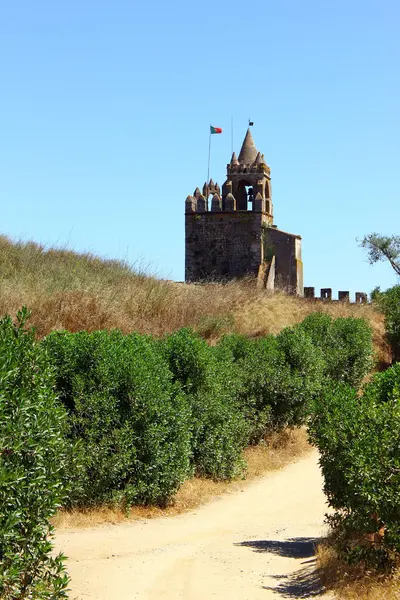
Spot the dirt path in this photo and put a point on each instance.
(250, 545)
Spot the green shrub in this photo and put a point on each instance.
(129, 422)
(32, 464)
(346, 344)
(188, 357)
(359, 443)
(389, 302)
(238, 353)
(234, 347)
(306, 372)
(386, 386)
(278, 378)
(219, 430)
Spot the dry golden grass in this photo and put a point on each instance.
(66, 290)
(354, 582)
(277, 451)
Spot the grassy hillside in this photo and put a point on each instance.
(67, 290)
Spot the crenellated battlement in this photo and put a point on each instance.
(343, 295)
(199, 201)
(258, 166)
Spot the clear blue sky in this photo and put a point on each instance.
(106, 107)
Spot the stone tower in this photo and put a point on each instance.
(236, 235)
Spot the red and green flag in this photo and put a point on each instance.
(215, 129)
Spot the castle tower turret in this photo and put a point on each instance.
(249, 175)
(237, 236)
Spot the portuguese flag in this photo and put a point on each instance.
(215, 129)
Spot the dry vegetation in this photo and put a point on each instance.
(66, 290)
(354, 582)
(279, 450)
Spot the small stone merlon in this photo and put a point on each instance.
(361, 298)
(326, 293)
(235, 235)
(344, 296)
(216, 203)
(309, 292)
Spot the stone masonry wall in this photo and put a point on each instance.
(286, 248)
(223, 245)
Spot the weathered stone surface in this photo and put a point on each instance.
(309, 292)
(190, 204)
(222, 245)
(248, 152)
(259, 203)
(361, 298)
(234, 160)
(216, 203)
(344, 296)
(326, 293)
(202, 204)
(230, 203)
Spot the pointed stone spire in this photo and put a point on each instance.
(258, 160)
(197, 193)
(234, 160)
(248, 153)
(217, 189)
(205, 189)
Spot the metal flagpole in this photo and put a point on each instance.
(232, 135)
(209, 155)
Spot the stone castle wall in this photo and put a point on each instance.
(222, 245)
(286, 248)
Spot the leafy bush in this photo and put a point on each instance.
(129, 422)
(219, 430)
(386, 386)
(237, 352)
(306, 372)
(389, 302)
(188, 357)
(32, 462)
(346, 344)
(359, 443)
(278, 378)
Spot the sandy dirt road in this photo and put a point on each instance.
(257, 544)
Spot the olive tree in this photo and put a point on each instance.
(383, 247)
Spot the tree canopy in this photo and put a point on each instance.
(382, 247)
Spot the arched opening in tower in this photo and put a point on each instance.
(244, 195)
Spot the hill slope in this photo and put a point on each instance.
(67, 290)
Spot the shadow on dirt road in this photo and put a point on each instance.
(303, 583)
(301, 547)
